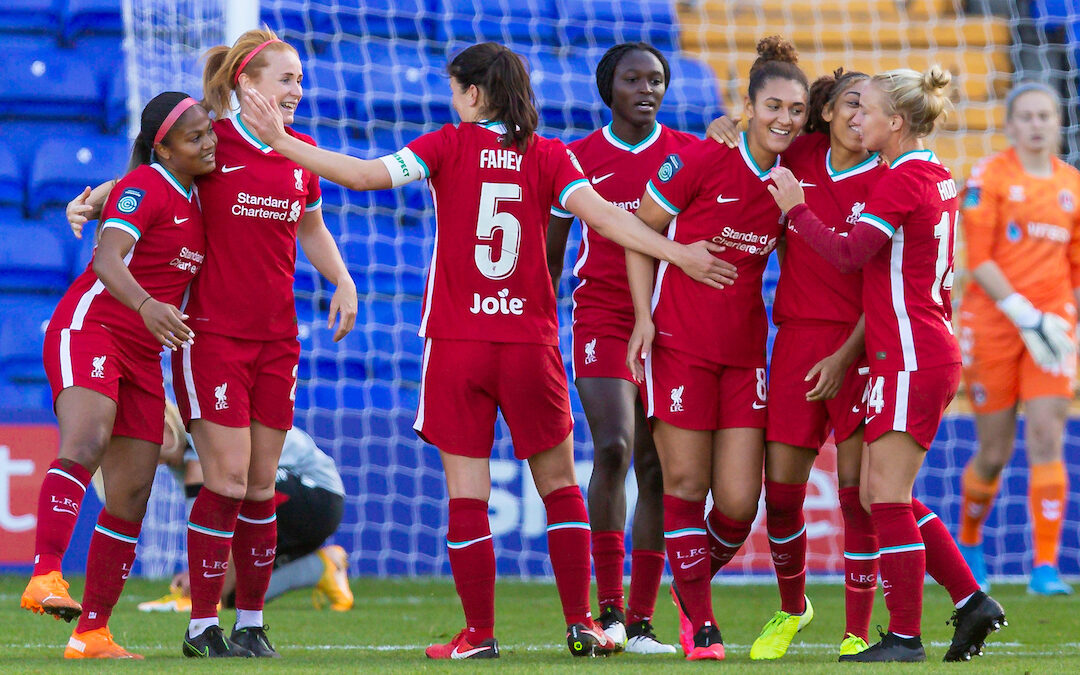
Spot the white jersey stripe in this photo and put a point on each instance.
(896, 282)
(903, 379)
(419, 423)
(429, 288)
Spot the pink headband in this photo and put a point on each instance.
(251, 55)
(172, 117)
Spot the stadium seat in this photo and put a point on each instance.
(565, 89)
(692, 100)
(396, 80)
(22, 396)
(45, 82)
(22, 333)
(11, 180)
(92, 17)
(32, 258)
(33, 16)
(326, 21)
(608, 22)
(64, 166)
(116, 93)
(515, 24)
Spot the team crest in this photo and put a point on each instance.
(298, 176)
(98, 370)
(856, 211)
(590, 351)
(221, 394)
(129, 200)
(1013, 232)
(1066, 201)
(1016, 193)
(972, 195)
(676, 398)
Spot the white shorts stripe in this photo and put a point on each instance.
(189, 386)
(650, 388)
(67, 378)
(900, 418)
(419, 423)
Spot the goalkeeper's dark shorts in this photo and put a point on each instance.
(306, 519)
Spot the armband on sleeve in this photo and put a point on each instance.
(404, 167)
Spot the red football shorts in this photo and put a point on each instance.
(464, 383)
(126, 372)
(911, 401)
(691, 393)
(229, 381)
(794, 420)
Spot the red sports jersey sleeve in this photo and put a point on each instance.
(253, 202)
(170, 247)
(618, 171)
(810, 289)
(907, 283)
(488, 278)
(716, 193)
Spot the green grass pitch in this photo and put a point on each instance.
(395, 619)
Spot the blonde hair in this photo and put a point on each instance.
(917, 97)
(223, 66)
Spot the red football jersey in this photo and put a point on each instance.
(252, 201)
(810, 289)
(907, 283)
(170, 245)
(618, 172)
(488, 278)
(716, 193)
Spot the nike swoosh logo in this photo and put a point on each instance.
(802, 184)
(687, 566)
(467, 653)
(211, 576)
(600, 179)
(870, 418)
(757, 406)
(178, 221)
(67, 511)
(204, 652)
(721, 199)
(230, 169)
(263, 563)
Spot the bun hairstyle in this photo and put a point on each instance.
(153, 117)
(824, 93)
(224, 65)
(508, 94)
(777, 58)
(605, 70)
(917, 97)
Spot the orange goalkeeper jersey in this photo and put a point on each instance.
(1028, 225)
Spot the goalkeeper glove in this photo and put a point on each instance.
(1045, 335)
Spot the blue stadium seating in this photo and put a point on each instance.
(692, 101)
(526, 22)
(36, 16)
(565, 90)
(11, 180)
(64, 166)
(22, 333)
(92, 17)
(46, 83)
(608, 22)
(326, 21)
(32, 258)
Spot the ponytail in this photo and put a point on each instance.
(777, 58)
(917, 97)
(501, 75)
(224, 65)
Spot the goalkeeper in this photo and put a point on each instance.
(1018, 323)
(310, 501)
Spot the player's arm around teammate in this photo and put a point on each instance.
(903, 243)
(619, 159)
(707, 390)
(1018, 324)
(103, 362)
